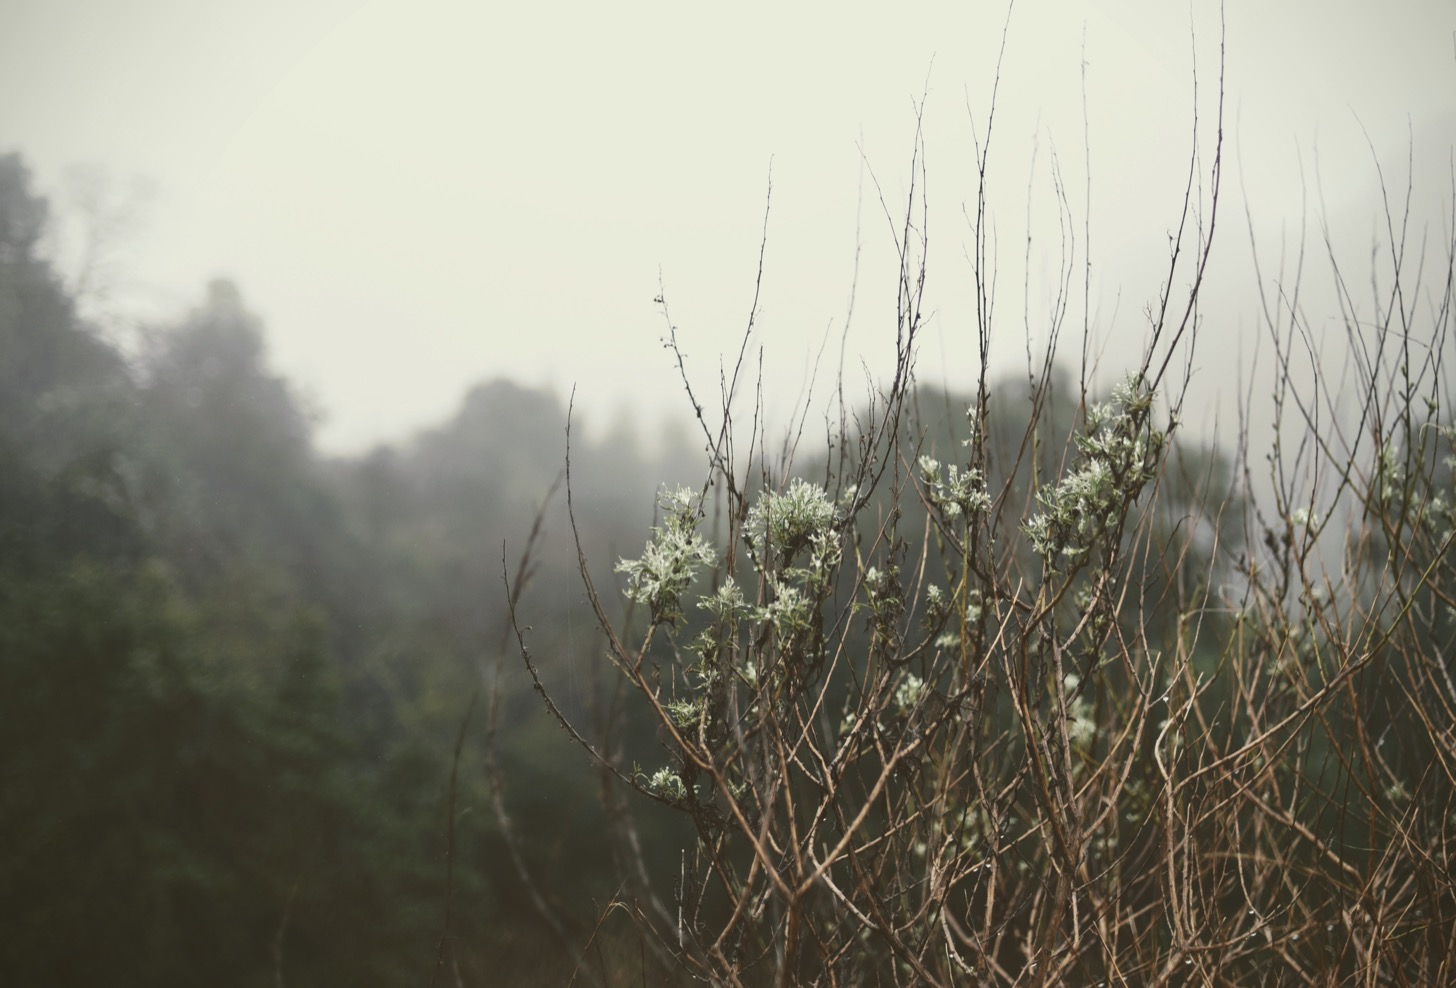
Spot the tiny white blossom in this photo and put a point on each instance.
(668, 784)
(908, 693)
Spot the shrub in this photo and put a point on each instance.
(1059, 703)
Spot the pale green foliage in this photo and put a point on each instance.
(1081, 722)
(1406, 498)
(790, 611)
(780, 526)
(886, 598)
(938, 606)
(671, 559)
(1389, 476)
(909, 693)
(728, 604)
(955, 492)
(973, 605)
(717, 641)
(1117, 454)
(802, 516)
(668, 784)
(684, 713)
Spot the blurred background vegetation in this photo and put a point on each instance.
(232, 670)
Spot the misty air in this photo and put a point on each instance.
(770, 495)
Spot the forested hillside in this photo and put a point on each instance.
(232, 670)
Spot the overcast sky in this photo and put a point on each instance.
(419, 195)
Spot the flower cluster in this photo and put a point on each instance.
(886, 599)
(671, 559)
(787, 520)
(909, 692)
(1081, 722)
(1118, 453)
(1399, 496)
(668, 785)
(797, 525)
(780, 527)
(716, 644)
(955, 492)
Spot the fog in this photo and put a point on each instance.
(416, 197)
(294, 297)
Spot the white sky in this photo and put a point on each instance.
(419, 195)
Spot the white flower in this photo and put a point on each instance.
(1081, 728)
(1117, 457)
(668, 784)
(909, 692)
(750, 673)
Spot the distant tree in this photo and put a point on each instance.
(181, 799)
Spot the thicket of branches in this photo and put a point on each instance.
(1054, 697)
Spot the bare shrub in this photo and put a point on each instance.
(1036, 695)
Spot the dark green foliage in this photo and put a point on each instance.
(231, 672)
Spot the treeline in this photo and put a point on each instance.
(232, 670)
